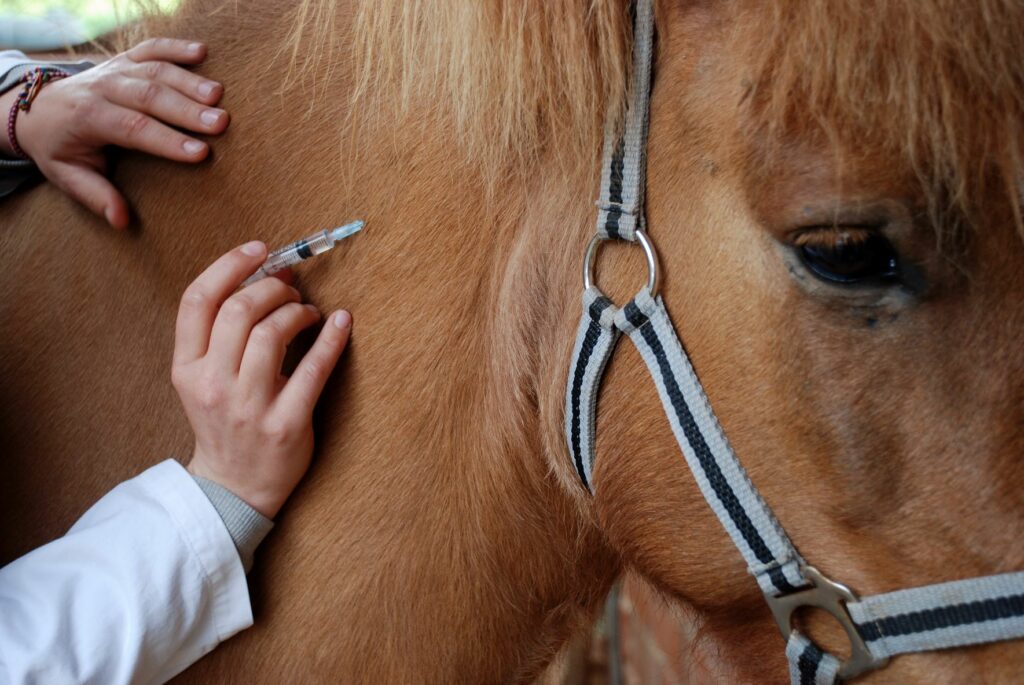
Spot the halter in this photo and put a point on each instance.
(954, 614)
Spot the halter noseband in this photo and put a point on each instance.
(930, 617)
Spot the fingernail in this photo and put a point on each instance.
(210, 116)
(312, 308)
(195, 47)
(206, 88)
(108, 214)
(342, 320)
(254, 249)
(295, 292)
(193, 147)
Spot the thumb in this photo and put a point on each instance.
(93, 190)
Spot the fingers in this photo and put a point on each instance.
(138, 131)
(168, 49)
(303, 389)
(94, 191)
(164, 103)
(264, 353)
(187, 83)
(286, 274)
(203, 298)
(240, 314)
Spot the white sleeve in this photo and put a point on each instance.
(10, 59)
(14, 64)
(142, 586)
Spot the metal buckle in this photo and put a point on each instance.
(649, 253)
(831, 597)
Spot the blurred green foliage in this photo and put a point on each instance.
(96, 16)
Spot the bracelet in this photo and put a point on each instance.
(34, 80)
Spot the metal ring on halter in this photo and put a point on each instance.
(649, 253)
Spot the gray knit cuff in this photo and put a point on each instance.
(246, 526)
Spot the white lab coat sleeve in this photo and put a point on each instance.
(142, 586)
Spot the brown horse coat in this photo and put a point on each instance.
(440, 535)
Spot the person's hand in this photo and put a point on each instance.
(253, 426)
(132, 101)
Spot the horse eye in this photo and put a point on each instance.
(858, 256)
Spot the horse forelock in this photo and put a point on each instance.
(937, 83)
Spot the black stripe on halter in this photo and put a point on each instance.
(611, 224)
(967, 613)
(808, 664)
(712, 471)
(597, 307)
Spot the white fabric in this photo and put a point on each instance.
(931, 598)
(11, 58)
(804, 667)
(142, 586)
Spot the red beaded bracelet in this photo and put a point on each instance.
(34, 80)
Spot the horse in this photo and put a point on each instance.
(835, 194)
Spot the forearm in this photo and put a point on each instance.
(144, 584)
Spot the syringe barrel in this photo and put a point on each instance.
(300, 250)
(305, 248)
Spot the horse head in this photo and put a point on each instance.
(835, 197)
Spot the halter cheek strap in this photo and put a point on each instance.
(938, 616)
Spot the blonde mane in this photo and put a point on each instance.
(512, 76)
(938, 82)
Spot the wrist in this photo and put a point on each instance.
(30, 127)
(246, 526)
(7, 101)
(266, 503)
(23, 115)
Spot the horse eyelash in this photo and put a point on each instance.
(833, 236)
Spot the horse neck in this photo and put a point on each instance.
(432, 540)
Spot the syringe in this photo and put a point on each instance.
(303, 249)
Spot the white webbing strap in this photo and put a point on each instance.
(954, 614)
(808, 665)
(620, 207)
(595, 341)
(770, 556)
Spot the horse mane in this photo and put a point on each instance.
(512, 76)
(940, 83)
